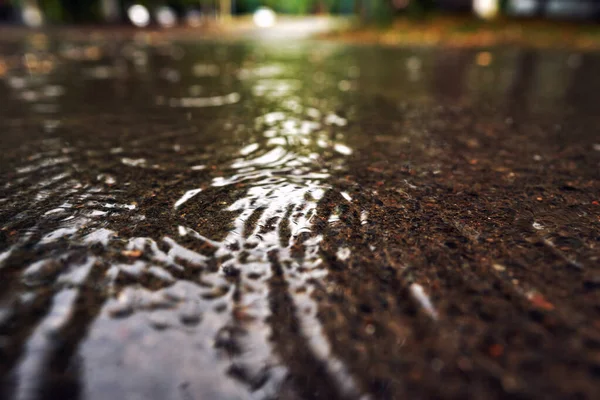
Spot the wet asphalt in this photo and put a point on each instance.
(297, 219)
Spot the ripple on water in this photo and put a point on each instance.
(177, 297)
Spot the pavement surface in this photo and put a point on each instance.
(297, 219)
(467, 31)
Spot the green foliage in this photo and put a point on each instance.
(384, 13)
(298, 6)
(52, 9)
(419, 8)
(291, 6)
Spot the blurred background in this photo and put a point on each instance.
(195, 13)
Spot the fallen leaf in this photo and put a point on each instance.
(132, 253)
(539, 301)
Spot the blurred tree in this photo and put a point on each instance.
(346, 6)
(541, 6)
(383, 12)
(379, 12)
(52, 9)
(291, 6)
(110, 10)
(78, 10)
(6, 11)
(420, 8)
(225, 8)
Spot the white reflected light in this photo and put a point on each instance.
(32, 16)
(166, 17)
(264, 17)
(139, 15)
(486, 9)
(522, 7)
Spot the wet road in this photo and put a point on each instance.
(297, 220)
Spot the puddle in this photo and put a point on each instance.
(237, 221)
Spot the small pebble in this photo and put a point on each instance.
(499, 267)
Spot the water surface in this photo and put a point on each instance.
(296, 220)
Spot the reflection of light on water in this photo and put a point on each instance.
(263, 71)
(199, 102)
(249, 149)
(201, 70)
(37, 88)
(284, 176)
(277, 156)
(285, 183)
(334, 119)
(275, 87)
(35, 359)
(342, 149)
(414, 66)
(133, 162)
(188, 195)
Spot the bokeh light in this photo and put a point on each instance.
(139, 15)
(32, 16)
(194, 18)
(264, 17)
(166, 17)
(486, 9)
